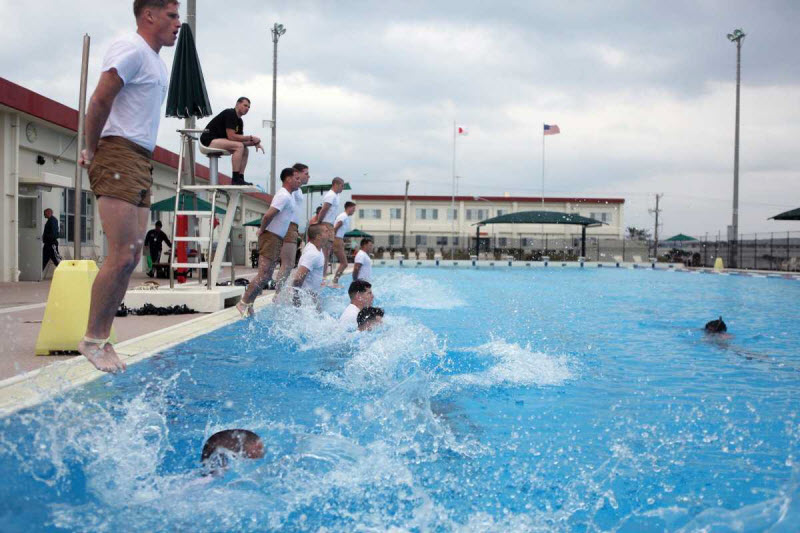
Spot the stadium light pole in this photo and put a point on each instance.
(737, 36)
(277, 31)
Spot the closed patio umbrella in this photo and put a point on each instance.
(187, 95)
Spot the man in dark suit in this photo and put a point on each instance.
(50, 240)
(153, 241)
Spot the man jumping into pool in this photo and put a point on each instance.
(121, 128)
(308, 277)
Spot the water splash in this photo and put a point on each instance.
(400, 289)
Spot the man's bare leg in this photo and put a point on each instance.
(238, 152)
(288, 255)
(124, 225)
(341, 256)
(256, 286)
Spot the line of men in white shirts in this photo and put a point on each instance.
(277, 239)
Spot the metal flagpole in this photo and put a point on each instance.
(453, 198)
(79, 207)
(543, 166)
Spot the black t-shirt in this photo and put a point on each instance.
(155, 237)
(217, 128)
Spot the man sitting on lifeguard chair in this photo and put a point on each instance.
(225, 131)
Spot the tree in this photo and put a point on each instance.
(638, 234)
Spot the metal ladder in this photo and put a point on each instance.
(232, 192)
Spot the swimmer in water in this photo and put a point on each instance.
(241, 443)
(360, 293)
(369, 318)
(716, 326)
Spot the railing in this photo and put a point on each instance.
(758, 251)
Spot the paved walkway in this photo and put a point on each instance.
(22, 308)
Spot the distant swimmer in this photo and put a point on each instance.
(308, 277)
(340, 227)
(360, 293)
(362, 264)
(369, 318)
(237, 443)
(716, 327)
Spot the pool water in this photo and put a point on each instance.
(490, 400)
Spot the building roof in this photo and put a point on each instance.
(494, 199)
(34, 104)
(540, 217)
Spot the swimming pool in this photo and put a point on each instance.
(492, 400)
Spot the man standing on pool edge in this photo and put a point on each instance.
(121, 129)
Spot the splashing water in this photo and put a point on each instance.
(444, 419)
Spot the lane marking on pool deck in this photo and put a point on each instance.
(19, 308)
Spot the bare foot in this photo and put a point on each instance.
(246, 310)
(102, 355)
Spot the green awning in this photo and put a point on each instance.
(255, 223)
(320, 188)
(357, 234)
(794, 214)
(541, 217)
(680, 237)
(187, 95)
(186, 204)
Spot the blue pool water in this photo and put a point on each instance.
(491, 400)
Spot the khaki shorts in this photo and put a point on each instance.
(291, 234)
(338, 246)
(269, 246)
(330, 230)
(122, 169)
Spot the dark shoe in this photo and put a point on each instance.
(236, 180)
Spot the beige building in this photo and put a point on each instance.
(432, 224)
(37, 171)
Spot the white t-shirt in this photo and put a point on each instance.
(345, 227)
(299, 198)
(363, 259)
(349, 318)
(333, 199)
(284, 203)
(136, 110)
(314, 260)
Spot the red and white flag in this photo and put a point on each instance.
(461, 130)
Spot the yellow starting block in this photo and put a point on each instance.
(718, 266)
(67, 311)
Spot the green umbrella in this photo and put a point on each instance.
(357, 234)
(320, 188)
(794, 214)
(187, 90)
(187, 203)
(680, 237)
(256, 223)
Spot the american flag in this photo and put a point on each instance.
(551, 129)
(462, 131)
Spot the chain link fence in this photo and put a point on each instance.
(758, 251)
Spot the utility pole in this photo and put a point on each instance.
(405, 217)
(277, 31)
(656, 211)
(736, 37)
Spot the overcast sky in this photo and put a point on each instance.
(644, 94)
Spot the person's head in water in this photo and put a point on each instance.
(360, 293)
(716, 326)
(369, 317)
(237, 442)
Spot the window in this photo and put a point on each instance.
(525, 241)
(422, 240)
(477, 214)
(501, 212)
(67, 220)
(502, 242)
(602, 217)
(441, 241)
(396, 213)
(427, 214)
(455, 241)
(369, 214)
(452, 214)
(395, 240)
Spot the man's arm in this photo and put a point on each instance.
(300, 276)
(247, 140)
(166, 239)
(267, 218)
(356, 270)
(337, 226)
(108, 88)
(324, 211)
